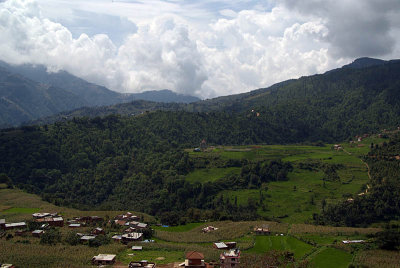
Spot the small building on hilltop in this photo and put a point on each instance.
(230, 259)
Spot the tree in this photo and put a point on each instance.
(388, 239)
(99, 241)
(51, 237)
(72, 238)
(5, 179)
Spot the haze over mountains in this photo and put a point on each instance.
(29, 92)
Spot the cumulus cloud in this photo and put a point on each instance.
(356, 28)
(237, 51)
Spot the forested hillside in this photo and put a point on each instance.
(134, 162)
(358, 98)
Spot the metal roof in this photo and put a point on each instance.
(220, 245)
(88, 237)
(15, 224)
(104, 257)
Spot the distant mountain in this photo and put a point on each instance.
(23, 100)
(76, 91)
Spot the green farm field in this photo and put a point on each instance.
(282, 243)
(294, 200)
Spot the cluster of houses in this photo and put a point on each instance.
(134, 228)
(193, 259)
(78, 222)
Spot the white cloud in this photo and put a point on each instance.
(241, 51)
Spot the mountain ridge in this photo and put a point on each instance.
(52, 88)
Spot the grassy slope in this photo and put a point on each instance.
(17, 205)
(289, 243)
(332, 258)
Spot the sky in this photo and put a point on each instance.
(204, 48)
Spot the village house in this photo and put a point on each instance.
(220, 245)
(2, 223)
(103, 259)
(121, 222)
(194, 259)
(98, 231)
(337, 147)
(141, 225)
(263, 230)
(132, 237)
(74, 225)
(352, 241)
(143, 263)
(137, 248)
(52, 221)
(37, 233)
(16, 225)
(87, 238)
(209, 229)
(230, 259)
(117, 238)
